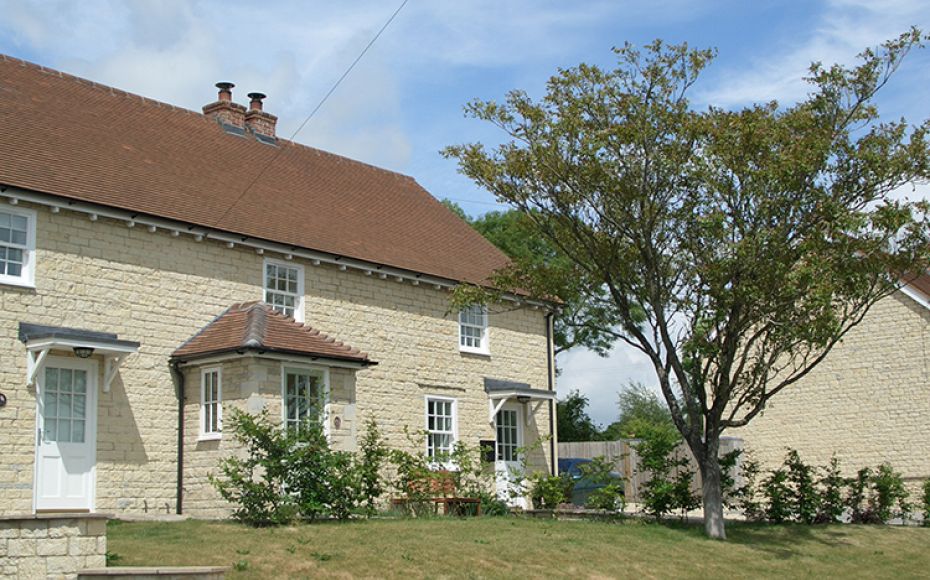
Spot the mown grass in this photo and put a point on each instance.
(529, 548)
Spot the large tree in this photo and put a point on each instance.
(574, 424)
(752, 240)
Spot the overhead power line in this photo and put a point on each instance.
(315, 109)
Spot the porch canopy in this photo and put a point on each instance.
(500, 391)
(41, 339)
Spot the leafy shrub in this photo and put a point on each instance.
(777, 495)
(889, 496)
(858, 489)
(611, 496)
(255, 483)
(684, 498)
(491, 505)
(877, 497)
(419, 478)
(831, 485)
(804, 499)
(663, 494)
(746, 497)
(728, 463)
(547, 491)
(286, 473)
(373, 453)
(926, 503)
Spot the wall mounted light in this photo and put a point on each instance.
(83, 351)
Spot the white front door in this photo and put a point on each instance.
(508, 464)
(67, 435)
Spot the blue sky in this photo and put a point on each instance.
(403, 102)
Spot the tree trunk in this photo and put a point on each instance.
(711, 491)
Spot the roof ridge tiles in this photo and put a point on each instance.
(255, 327)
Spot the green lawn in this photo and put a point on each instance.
(512, 547)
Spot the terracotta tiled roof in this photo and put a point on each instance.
(256, 326)
(69, 137)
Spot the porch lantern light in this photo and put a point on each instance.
(523, 399)
(83, 351)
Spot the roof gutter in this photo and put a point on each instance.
(200, 233)
(259, 351)
(553, 459)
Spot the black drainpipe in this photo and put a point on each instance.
(179, 376)
(552, 463)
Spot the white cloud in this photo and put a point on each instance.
(846, 28)
(601, 379)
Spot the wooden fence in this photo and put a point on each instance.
(623, 454)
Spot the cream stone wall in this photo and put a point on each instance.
(868, 401)
(160, 290)
(43, 546)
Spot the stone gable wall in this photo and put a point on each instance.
(868, 401)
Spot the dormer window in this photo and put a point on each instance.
(284, 288)
(17, 246)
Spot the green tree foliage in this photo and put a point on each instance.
(640, 410)
(734, 248)
(574, 424)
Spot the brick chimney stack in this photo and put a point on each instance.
(224, 109)
(257, 120)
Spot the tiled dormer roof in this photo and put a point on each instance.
(69, 137)
(257, 327)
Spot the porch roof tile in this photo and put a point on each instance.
(256, 326)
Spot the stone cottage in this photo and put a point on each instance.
(868, 402)
(159, 266)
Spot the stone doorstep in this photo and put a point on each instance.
(154, 571)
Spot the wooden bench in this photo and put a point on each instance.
(438, 490)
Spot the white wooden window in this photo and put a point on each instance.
(211, 403)
(440, 427)
(304, 395)
(473, 329)
(284, 288)
(17, 246)
(507, 435)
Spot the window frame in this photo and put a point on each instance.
(484, 347)
(324, 394)
(454, 433)
(206, 434)
(515, 445)
(299, 304)
(27, 277)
